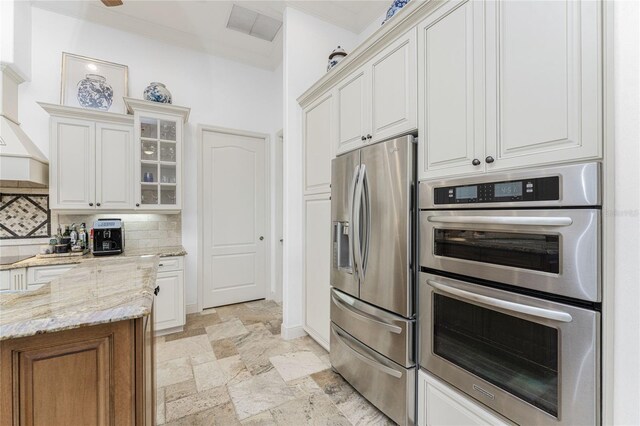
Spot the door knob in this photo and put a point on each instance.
(363, 138)
(489, 160)
(261, 238)
(475, 162)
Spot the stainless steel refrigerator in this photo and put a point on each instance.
(372, 296)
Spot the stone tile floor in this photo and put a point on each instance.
(230, 367)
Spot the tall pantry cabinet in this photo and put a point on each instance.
(318, 150)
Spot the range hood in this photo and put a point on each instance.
(22, 164)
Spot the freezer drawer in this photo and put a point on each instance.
(389, 334)
(384, 383)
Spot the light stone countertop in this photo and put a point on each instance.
(71, 260)
(95, 292)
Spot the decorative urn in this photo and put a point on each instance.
(335, 57)
(157, 92)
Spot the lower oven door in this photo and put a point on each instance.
(553, 251)
(387, 385)
(531, 360)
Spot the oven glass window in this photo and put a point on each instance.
(538, 252)
(516, 355)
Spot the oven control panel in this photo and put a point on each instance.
(537, 189)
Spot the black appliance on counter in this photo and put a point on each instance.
(108, 237)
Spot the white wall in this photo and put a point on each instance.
(218, 91)
(15, 36)
(307, 44)
(626, 352)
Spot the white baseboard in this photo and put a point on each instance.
(169, 331)
(289, 333)
(193, 309)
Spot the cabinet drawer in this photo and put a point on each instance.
(44, 274)
(175, 263)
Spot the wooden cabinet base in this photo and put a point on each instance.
(98, 375)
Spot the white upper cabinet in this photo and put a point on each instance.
(450, 91)
(378, 101)
(394, 105)
(544, 72)
(318, 144)
(353, 110)
(114, 151)
(509, 84)
(71, 164)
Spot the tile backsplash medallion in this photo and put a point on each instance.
(24, 216)
(141, 230)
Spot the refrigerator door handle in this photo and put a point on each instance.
(357, 209)
(354, 222)
(366, 229)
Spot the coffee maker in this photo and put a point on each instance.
(108, 237)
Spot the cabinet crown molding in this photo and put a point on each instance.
(410, 15)
(142, 105)
(86, 114)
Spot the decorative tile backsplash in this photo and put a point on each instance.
(24, 216)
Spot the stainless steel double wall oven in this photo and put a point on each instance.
(510, 291)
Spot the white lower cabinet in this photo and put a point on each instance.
(5, 280)
(317, 264)
(169, 304)
(441, 405)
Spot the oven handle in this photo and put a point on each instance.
(504, 220)
(503, 304)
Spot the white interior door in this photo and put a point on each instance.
(234, 218)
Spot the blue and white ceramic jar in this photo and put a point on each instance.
(94, 92)
(335, 57)
(394, 8)
(157, 92)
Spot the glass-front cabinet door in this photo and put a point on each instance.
(159, 133)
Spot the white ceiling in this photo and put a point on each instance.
(201, 25)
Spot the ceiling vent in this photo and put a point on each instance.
(253, 23)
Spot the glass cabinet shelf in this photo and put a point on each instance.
(158, 154)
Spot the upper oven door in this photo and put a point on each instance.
(553, 251)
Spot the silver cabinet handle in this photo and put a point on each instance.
(503, 220)
(503, 304)
(342, 304)
(367, 360)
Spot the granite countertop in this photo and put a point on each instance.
(95, 292)
(71, 260)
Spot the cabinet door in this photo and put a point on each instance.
(450, 66)
(545, 80)
(72, 164)
(317, 264)
(318, 140)
(394, 105)
(169, 303)
(114, 166)
(441, 405)
(353, 111)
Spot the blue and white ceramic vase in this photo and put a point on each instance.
(335, 57)
(94, 92)
(157, 92)
(394, 8)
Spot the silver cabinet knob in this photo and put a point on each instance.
(281, 239)
(363, 138)
(489, 159)
(475, 162)
(261, 238)
(369, 136)
(90, 204)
